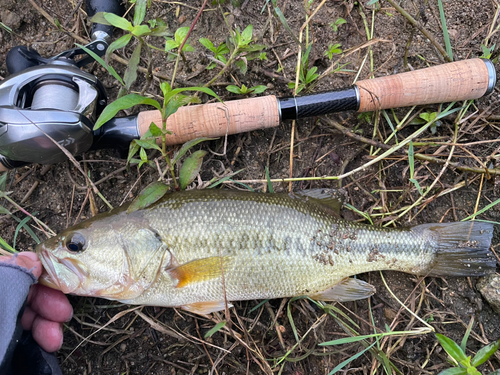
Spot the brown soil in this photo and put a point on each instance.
(167, 341)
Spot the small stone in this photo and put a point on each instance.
(182, 19)
(489, 287)
(10, 19)
(123, 347)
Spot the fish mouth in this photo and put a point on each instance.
(64, 274)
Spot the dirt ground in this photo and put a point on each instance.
(261, 338)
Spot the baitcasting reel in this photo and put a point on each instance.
(47, 100)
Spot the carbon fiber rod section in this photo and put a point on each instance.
(319, 104)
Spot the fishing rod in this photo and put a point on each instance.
(49, 101)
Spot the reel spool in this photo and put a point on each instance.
(54, 94)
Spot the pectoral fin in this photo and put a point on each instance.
(198, 270)
(347, 290)
(204, 308)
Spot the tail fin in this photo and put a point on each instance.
(462, 249)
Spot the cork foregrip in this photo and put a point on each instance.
(215, 119)
(462, 80)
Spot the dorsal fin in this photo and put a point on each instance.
(330, 199)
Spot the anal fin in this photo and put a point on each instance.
(198, 270)
(205, 308)
(347, 290)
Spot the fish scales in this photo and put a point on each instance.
(211, 245)
(279, 249)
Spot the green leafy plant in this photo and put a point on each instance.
(155, 136)
(333, 49)
(241, 51)
(135, 30)
(487, 51)
(335, 25)
(243, 90)
(219, 51)
(176, 42)
(172, 101)
(463, 364)
(306, 75)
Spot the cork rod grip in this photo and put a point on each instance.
(462, 80)
(215, 119)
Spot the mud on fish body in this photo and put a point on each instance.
(196, 249)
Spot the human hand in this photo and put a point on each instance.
(46, 308)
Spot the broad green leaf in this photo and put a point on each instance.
(215, 329)
(454, 371)
(171, 44)
(155, 130)
(165, 88)
(246, 35)
(160, 31)
(208, 44)
(253, 48)
(99, 18)
(188, 48)
(259, 89)
(148, 144)
(97, 58)
(131, 72)
(117, 44)
(190, 168)
(242, 65)
(140, 30)
(132, 150)
(139, 11)
(186, 146)
(485, 353)
(143, 155)
(180, 34)
(178, 101)
(222, 49)
(118, 21)
(234, 89)
(206, 90)
(124, 102)
(428, 116)
(151, 194)
(451, 347)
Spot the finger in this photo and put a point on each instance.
(47, 334)
(50, 303)
(28, 318)
(27, 260)
(30, 261)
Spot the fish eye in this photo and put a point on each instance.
(76, 243)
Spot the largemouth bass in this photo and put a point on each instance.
(200, 248)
